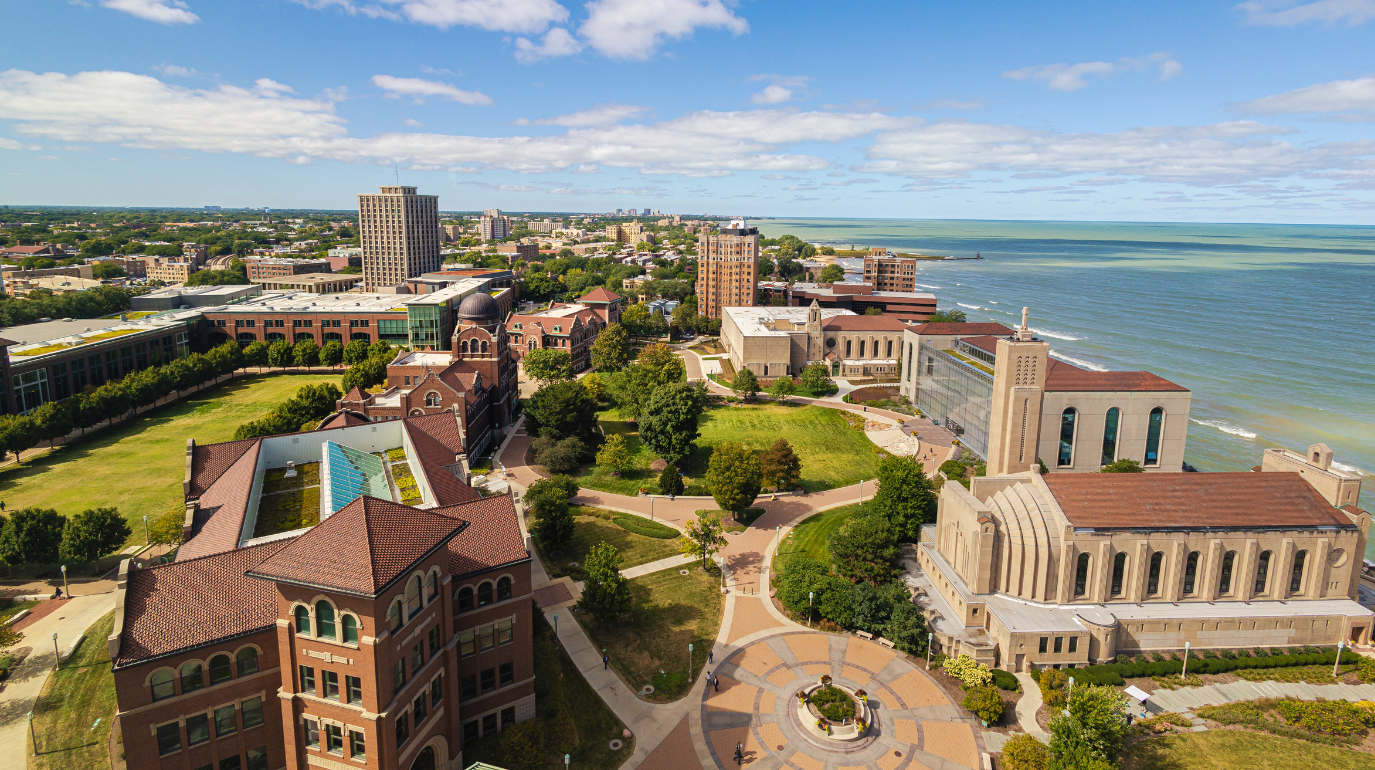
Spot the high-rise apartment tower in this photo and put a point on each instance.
(727, 268)
(400, 236)
(494, 226)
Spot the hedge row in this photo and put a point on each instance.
(1115, 673)
(647, 528)
(1005, 681)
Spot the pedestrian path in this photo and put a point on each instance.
(1188, 699)
(1028, 705)
(671, 562)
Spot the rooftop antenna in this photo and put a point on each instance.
(396, 168)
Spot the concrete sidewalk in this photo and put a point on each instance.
(1028, 705)
(1186, 699)
(671, 562)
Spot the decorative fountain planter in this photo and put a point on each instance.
(819, 726)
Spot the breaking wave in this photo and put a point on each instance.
(1079, 362)
(1056, 335)
(1348, 468)
(1226, 428)
(971, 307)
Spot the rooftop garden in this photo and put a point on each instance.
(980, 365)
(85, 340)
(288, 502)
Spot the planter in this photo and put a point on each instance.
(819, 727)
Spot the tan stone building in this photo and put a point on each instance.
(399, 232)
(775, 341)
(1028, 570)
(168, 269)
(727, 269)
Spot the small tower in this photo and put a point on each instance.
(815, 350)
(1014, 422)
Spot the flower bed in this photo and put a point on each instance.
(833, 703)
(1335, 722)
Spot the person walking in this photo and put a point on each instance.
(715, 683)
(739, 754)
(606, 662)
(711, 656)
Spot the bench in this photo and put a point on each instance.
(865, 635)
(887, 643)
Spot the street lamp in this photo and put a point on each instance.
(721, 565)
(810, 595)
(145, 531)
(566, 759)
(689, 662)
(929, 636)
(1185, 671)
(65, 588)
(861, 490)
(651, 507)
(57, 656)
(1341, 645)
(1069, 690)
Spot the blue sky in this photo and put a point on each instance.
(1177, 111)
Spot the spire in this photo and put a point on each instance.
(1023, 332)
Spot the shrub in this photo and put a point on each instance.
(646, 527)
(985, 702)
(969, 671)
(1005, 681)
(833, 703)
(1023, 752)
(1053, 682)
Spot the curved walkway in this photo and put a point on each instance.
(917, 726)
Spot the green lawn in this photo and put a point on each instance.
(592, 526)
(833, 454)
(811, 535)
(670, 612)
(138, 465)
(730, 523)
(9, 608)
(72, 716)
(1228, 749)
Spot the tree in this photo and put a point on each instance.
(865, 548)
(18, 433)
(947, 317)
(561, 409)
(32, 535)
(1052, 686)
(548, 499)
(801, 575)
(780, 465)
(782, 388)
(546, 365)
(817, 378)
(93, 533)
(365, 374)
(562, 456)
(703, 537)
(279, 354)
(53, 420)
(836, 601)
(669, 423)
(1096, 728)
(907, 628)
(106, 270)
(332, 353)
(594, 385)
(831, 274)
(605, 591)
(381, 349)
(745, 383)
(671, 481)
(734, 477)
(614, 454)
(662, 362)
(985, 702)
(355, 352)
(905, 497)
(611, 349)
(1023, 752)
(1125, 465)
(873, 311)
(226, 358)
(306, 353)
(256, 353)
(166, 527)
(522, 745)
(970, 672)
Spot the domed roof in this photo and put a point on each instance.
(478, 305)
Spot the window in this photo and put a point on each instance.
(469, 686)
(192, 677)
(1153, 577)
(1224, 582)
(434, 641)
(308, 679)
(394, 616)
(412, 597)
(220, 669)
(466, 646)
(252, 712)
(312, 734)
(1119, 568)
(432, 580)
(1066, 457)
(257, 758)
(231, 763)
(508, 716)
(418, 709)
(350, 624)
(1081, 575)
(507, 674)
(324, 619)
(465, 598)
(331, 682)
(358, 748)
(503, 589)
(163, 683)
(398, 676)
(489, 723)
(417, 656)
(248, 661)
(470, 731)
(302, 620)
(197, 729)
(484, 594)
(1110, 436)
(1296, 576)
(486, 637)
(504, 635)
(1262, 572)
(169, 739)
(1074, 644)
(1190, 573)
(353, 687)
(225, 723)
(1059, 642)
(403, 728)
(1157, 421)
(437, 691)
(334, 739)
(489, 680)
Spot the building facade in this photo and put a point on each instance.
(727, 269)
(889, 273)
(781, 341)
(169, 269)
(400, 236)
(276, 268)
(492, 226)
(907, 306)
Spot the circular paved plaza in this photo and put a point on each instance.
(915, 724)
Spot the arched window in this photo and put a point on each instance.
(1157, 422)
(1262, 572)
(484, 594)
(1224, 581)
(1119, 569)
(324, 619)
(484, 346)
(1110, 436)
(1296, 576)
(431, 399)
(848, 343)
(532, 344)
(861, 348)
(302, 619)
(503, 589)
(1066, 438)
(192, 677)
(465, 598)
(1153, 577)
(394, 616)
(1190, 573)
(1081, 575)
(431, 587)
(890, 349)
(248, 661)
(163, 684)
(350, 624)
(220, 670)
(412, 597)
(463, 346)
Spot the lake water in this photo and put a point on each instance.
(1271, 326)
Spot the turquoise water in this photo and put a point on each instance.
(1271, 326)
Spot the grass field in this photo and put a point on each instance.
(670, 612)
(809, 538)
(589, 529)
(1227, 749)
(72, 716)
(138, 465)
(832, 453)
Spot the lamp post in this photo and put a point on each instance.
(689, 662)
(810, 595)
(145, 531)
(66, 588)
(33, 734)
(57, 656)
(861, 490)
(556, 626)
(566, 759)
(929, 636)
(1185, 671)
(1341, 645)
(1069, 690)
(651, 507)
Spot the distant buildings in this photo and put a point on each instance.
(780, 341)
(888, 273)
(525, 251)
(400, 236)
(908, 306)
(727, 268)
(493, 226)
(261, 268)
(169, 269)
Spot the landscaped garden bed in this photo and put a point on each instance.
(275, 479)
(595, 525)
(287, 511)
(1338, 723)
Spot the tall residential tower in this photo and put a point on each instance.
(727, 268)
(400, 236)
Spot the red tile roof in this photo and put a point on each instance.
(492, 538)
(361, 549)
(221, 509)
(210, 461)
(600, 294)
(343, 419)
(191, 603)
(988, 343)
(356, 395)
(433, 457)
(1062, 377)
(863, 323)
(962, 329)
(1242, 500)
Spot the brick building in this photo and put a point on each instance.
(169, 269)
(889, 273)
(572, 327)
(727, 268)
(908, 306)
(258, 268)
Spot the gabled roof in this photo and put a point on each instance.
(433, 456)
(356, 395)
(600, 294)
(210, 461)
(492, 539)
(1062, 378)
(962, 329)
(343, 419)
(361, 549)
(221, 509)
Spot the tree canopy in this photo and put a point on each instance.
(734, 477)
(611, 349)
(947, 317)
(906, 497)
(561, 409)
(605, 591)
(780, 465)
(669, 422)
(865, 548)
(545, 365)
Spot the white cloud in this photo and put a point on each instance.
(520, 16)
(557, 42)
(783, 88)
(1070, 77)
(774, 94)
(600, 115)
(634, 29)
(1100, 181)
(335, 94)
(1289, 13)
(1352, 99)
(161, 11)
(413, 123)
(418, 89)
(428, 70)
(10, 144)
(175, 71)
